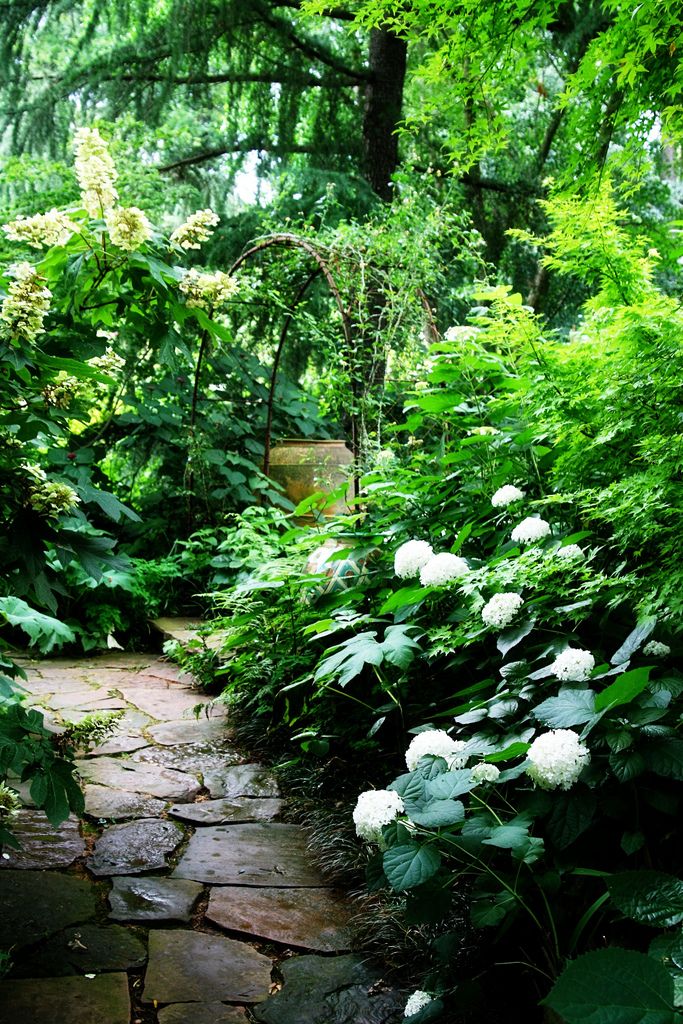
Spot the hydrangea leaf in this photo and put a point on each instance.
(412, 788)
(410, 865)
(634, 640)
(665, 757)
(439, 814)
(570, 707)
(451, 784)
(511, 637)
(513, 836)
(623, 691)
(571, 815)
(489, 910)
(650, 897)
(614, 986)
(668, 948)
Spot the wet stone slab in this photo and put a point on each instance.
(116, 804)
(61, 1000)
(201, 1013)
(161, 700)
(331, 990)
(43, 845)
(192, 758)
(263, 854)
(153, 899)
(311, 918)
(241, 780)
(32, 910)
(224, 811)
(191, 730)
(186, 966)
(164, 783)
(134, 847)
(85, 949)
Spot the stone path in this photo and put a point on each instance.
(182, 897)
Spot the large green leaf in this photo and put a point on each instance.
(410, 865)
(634, 640)
(511, 637)
(570, 707)
(665, 757)
(623, 690)
(451, 784)
(571, 815)
(668, 948)
(44, 631)
(439, 814)
(398, 647)
(650, 897)
(614, 986)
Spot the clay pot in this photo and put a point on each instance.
(303, 467)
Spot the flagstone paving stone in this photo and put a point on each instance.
(164, 783)
(224, 811)
(43, 845)
(134, 847)
(153, 899)
(186, 966)
(241, 780)
(312, 918)
(117, 804)
(331, 990)
(191, 730)
(61, 1000)
(193, 758)
(34, 908)
(201, 1013)
(264, 854)
(86, 949)
(161, 700)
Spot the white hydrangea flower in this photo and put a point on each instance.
(42, 229)
(556, 759)
(109, 362)
(501, 609)
(416, 1002)
(570, 551)
(484, 772)
(462, 333)
(410, 558)
(530, 529)
(95, 171)
(26, 304)
(203, 289)
(374, 809)
(573, 665)
(656, 649)
(441, 569)
(439, 744)
(128, 227)
(505, 496)
(196, 229)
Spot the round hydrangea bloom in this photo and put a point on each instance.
(573, 665)
(530, 530)
(505, 496)
(442, 569)
(556, 759)
(461, 332)
(410, 558)
(656, 649)
(374, 809)
(501, 609)
(439, 744)
(417, 1002)
(128, 227)
(570, 551)
(484, 772)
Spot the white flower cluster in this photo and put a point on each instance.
(461, 333)
(51, 498)
(656, 649)
(196, 229)
(95, 172)
(416, 1002)
(442, 569)
(10, 803)
(484, 772)
(27, 303)
(573, 665)
(570, 552)
(410, 558)
(128, 227)
(61, 392)
(43, 229)
(204, 290)
(530, 529)
(501, 609)
(374, 809)
(506, 495)
(439, 744)
(109, 362)
(556, 759)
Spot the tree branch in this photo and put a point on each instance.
(309, 49)
(336, 13)
(248, 146)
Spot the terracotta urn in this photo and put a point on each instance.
(302, 467)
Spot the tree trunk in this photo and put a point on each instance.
(383, 102)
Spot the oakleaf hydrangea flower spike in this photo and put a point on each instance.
(410, 557)
(506, 495)
(27, 303)
(442, 569)
(656, 649)
(437, 743)
(374, 809)
(556, 759)
(197, 228)
(416, 1002)
(42, 229)
(573, 666)
(128, 227)
(95, 172)
(530, 530)
(501, 610)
